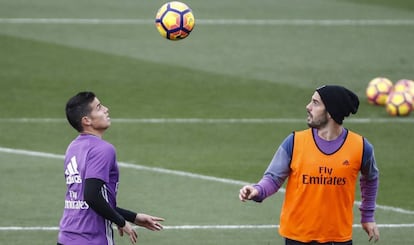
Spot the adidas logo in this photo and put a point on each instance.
(346, 163)
(72, 173)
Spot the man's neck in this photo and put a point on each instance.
(330, 132)
(92, 132)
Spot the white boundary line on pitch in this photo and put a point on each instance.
(244, 22)
(176, 172)
(191, 227)
(212, 120)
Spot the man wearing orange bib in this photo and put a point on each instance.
(322, 164)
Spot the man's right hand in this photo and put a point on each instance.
(133, 236)
(247, 192)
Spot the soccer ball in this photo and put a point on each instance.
(404, 85)
(174, 20)
(378, 89)
(399, 103)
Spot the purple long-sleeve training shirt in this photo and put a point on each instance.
(88, 157)
(279, 169)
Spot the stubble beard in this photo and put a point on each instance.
(319, 123)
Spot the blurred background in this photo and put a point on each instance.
(193, 120)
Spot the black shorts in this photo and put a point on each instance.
(293, 242)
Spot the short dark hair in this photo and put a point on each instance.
(77, 107)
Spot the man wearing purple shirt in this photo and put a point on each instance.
(92, 177)
(312, 182)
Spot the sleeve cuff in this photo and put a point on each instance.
(367, 216)
(259, 197)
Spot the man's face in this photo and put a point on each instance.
(317, 114)
(99, 116)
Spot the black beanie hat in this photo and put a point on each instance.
(339, 101)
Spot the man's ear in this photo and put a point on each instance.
(86, 121)
(329, 115)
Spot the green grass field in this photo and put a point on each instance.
(194, 120)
